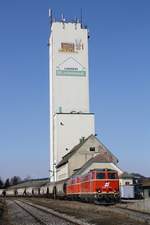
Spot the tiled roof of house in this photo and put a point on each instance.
(97, 159)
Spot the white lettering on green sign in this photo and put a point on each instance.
(68, 72)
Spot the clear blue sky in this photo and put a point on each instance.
(119, 57)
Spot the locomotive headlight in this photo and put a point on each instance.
(99, 190)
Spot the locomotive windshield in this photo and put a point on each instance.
(100, 176)
(112, 176)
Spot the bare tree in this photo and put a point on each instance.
(27, 178)
(1, 183)
(15, 180)
(7, 183)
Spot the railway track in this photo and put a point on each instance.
(38, 215)
(137, 216)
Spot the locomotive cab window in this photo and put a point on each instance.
(100, 176)
(112, 176)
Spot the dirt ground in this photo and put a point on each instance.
(93, 214)
(1, 210)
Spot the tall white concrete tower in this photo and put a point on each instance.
(70, 117)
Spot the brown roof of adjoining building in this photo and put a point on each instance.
(102, 158)
(97, 159)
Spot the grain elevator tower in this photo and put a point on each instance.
(70, 117)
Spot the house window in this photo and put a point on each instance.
(92, 149)
(127, 183)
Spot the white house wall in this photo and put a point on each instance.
(62, 173)
(84, 154)
(125, 181)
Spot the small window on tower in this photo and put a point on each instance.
(92, 149)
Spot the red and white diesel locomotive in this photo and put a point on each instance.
(98, 185)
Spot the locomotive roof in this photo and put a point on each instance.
(78, 146)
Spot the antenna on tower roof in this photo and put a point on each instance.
(81, 18)
(50, 14)
(62, 17)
